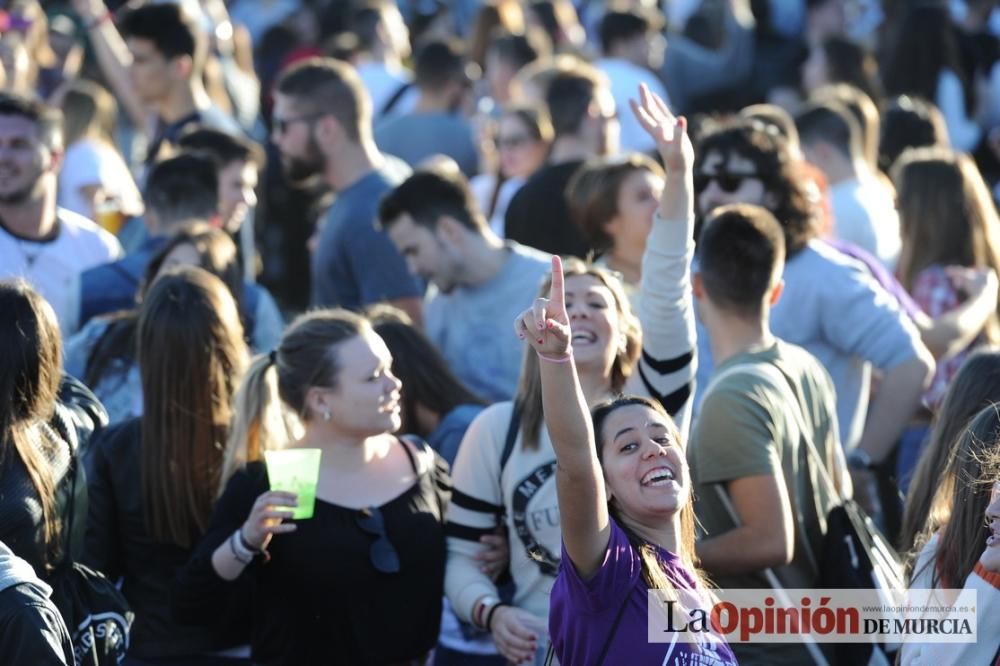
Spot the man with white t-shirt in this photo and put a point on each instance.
(44, 244)
(633, 50)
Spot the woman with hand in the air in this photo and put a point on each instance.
(623, 485)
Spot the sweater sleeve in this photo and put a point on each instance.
(987, 588)
(475, 509)
(667, 367)
(199, 593)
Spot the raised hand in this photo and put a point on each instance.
(545, 325)
(669, 132)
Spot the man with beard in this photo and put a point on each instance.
(322, 125)
(46, 245)
(479, 282)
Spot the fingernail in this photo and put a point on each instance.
(540, 341)
(550, 324)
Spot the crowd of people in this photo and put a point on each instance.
(577, 299)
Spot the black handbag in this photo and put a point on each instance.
(96, 613)
(855, 554)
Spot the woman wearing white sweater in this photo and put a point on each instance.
(955, 557)
(516, 489)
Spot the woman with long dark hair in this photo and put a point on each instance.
(965, 552)
(155, 477)
(34, 458)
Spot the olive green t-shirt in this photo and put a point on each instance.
(746, 427)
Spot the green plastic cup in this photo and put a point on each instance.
(295, 471)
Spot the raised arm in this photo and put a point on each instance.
(583, 507)
(113, 57)
(666, 370)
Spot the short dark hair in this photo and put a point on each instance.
(426, 196)
(623, 25)
(182, 189)
(782, 175)
(569, 95)
(909, 122)
(171, 30)
(830, 122)
(364, 23)
(437, 63)
(333, 86)
(48, 120)
(515, 49)
(224, 148)
(741, 253)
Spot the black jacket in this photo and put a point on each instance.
(78, 416)
(31, 630)
(119, 545)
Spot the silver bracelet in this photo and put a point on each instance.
(241, 554)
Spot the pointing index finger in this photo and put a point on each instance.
(557, 293)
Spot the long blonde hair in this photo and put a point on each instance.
(529, 392)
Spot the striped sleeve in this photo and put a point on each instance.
(476, 507)
(666, 369)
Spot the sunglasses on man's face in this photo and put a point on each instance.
(727, 181)
(383, 555)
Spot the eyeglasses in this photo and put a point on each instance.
(281, 125)
(383, 555)
(727, 181)
(511, 142)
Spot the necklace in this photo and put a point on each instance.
(30, 257)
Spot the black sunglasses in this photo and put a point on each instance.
(282, 124)
(383, 555)
(728, 182)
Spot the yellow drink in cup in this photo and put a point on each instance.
(295, 471)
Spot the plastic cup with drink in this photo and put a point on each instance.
(295, 471)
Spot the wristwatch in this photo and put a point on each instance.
(483, 607)
(858, 459)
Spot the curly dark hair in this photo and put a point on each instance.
(781, 173)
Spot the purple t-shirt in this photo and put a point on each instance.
(581, 613)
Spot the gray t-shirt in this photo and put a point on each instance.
(470, 324)
(356, 264)
(416, 136)
(834, 308)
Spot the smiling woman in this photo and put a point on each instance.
(376, 535)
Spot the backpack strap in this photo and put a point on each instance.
(513, 428)
(394, 99)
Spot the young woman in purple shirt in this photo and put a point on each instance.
(622, 481)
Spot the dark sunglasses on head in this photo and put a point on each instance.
(728, 182)
(383, 555)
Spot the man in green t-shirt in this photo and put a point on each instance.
(749, 444)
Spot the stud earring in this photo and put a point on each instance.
(326, 416)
